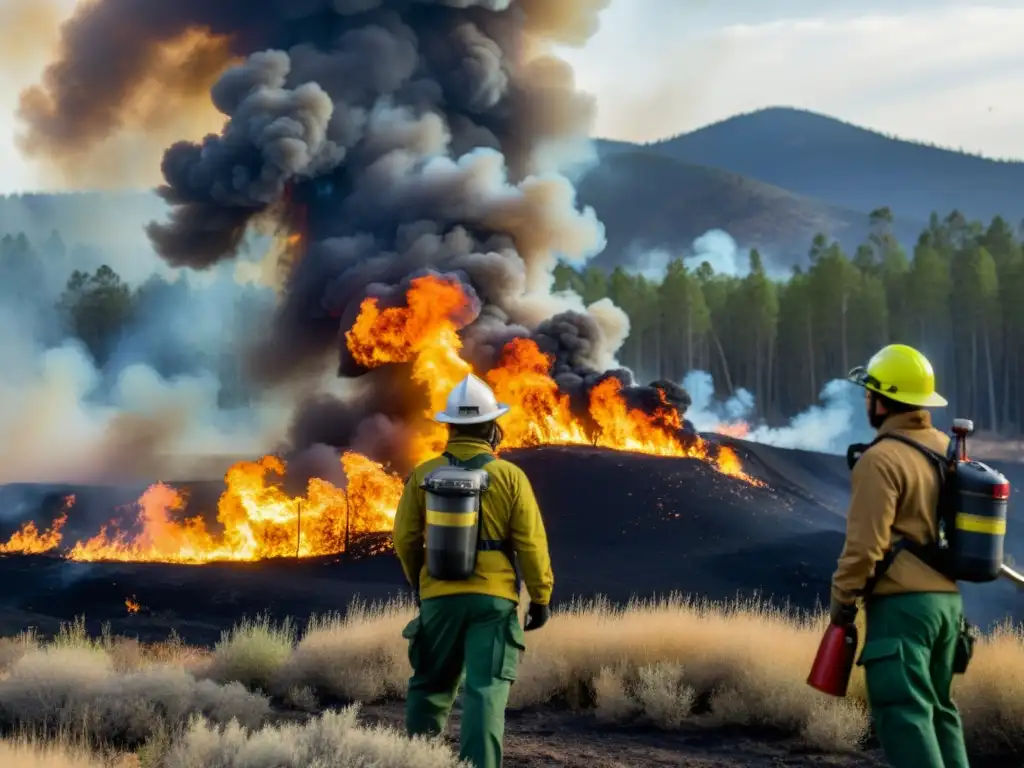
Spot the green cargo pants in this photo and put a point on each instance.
(476, 637)
(908, 665)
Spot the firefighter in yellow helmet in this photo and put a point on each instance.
(914, 614)
(467, 578)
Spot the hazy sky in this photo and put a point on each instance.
(947, 71)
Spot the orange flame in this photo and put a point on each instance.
(737, 429)
(132, 604)
(257, 519)
(27, 540)
(425, 333)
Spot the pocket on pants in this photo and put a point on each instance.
(412, 634)
(967, 635)
(886, 673)
(508, 649)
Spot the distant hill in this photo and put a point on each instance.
(851, 167)
(649, 200)
(771, 179)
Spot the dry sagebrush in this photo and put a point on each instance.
(664, 662)
(77, 690)
(252, 653)
(739, 659)
(334, 739)
(28, 754)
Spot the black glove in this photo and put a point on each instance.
(536, 617)
(842, 614)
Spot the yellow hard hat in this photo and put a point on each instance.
(900, 373)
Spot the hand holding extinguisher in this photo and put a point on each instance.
(833, 663)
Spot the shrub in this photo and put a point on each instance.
(666, 662)
(75, 690)
(13, 648)
(252, 653)
(332, 739)
(358, 657)
(26, 754)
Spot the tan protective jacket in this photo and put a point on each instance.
(894, 494)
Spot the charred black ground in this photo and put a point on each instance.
(619, 525)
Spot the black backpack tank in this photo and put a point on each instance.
(453, 500)
(972, 512)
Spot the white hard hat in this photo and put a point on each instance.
(471, 402)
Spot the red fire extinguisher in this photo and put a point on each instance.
(833, 663)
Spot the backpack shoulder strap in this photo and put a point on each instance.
(935, 457)
(477, 462)
(925, 552)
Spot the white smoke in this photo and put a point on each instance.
(172, 396)
(829, 427)
(716, 247)
(719, 249)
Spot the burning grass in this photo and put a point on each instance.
(257, 519)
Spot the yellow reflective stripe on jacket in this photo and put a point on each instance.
(977, 524)
(451, 519)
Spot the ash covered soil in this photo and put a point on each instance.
(619, 524)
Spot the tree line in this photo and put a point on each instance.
(115, 321)
(959, 297)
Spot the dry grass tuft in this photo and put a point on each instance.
(656, 659)
(28, 754)
(358, 657)
(252, 653)
(989, 695)
(332, 739)
(13, 648)
(667, 663)
(76, 690)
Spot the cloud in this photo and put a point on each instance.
(949, 74)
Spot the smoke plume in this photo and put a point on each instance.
(161, 396)
(830, 427)
(395, 137)
(126, 80)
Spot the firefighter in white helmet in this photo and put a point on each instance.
(459, 550)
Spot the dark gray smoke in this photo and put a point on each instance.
(397, 136)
